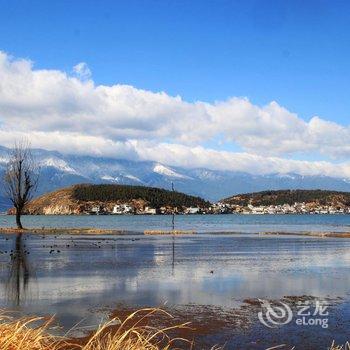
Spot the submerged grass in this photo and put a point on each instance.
(134, 333)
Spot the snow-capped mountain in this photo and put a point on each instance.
(166, 171)
(58, 170)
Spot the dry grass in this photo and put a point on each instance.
(24, 334)
(340, 347)
(134, 333)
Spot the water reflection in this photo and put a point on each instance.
(199, 223)
(173, 254)
(19, 272)
(78, 275)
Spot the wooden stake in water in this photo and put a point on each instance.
(173, 216)
(173, 226)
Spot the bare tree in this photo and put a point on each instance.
(21, 178)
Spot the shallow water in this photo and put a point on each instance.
(199, 223)
(79, 278)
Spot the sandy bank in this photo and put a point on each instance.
(71, 231)
(310, 234)
(90, 231)
(97, 231)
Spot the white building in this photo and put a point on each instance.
(123, 209)
(150, 211)
(193, 210)
(96, 209)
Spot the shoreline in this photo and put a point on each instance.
(69, 231)
(118, 232)
(309, 234)
(92, 231)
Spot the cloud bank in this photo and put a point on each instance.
(71, 114)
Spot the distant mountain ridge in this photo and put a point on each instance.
(58, 171)
(280, 197)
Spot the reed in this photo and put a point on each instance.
(134, 333)
(25, 334)
(346, 346)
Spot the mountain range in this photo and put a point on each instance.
(60, 170)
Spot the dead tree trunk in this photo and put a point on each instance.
(18, 219)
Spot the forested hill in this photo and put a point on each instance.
(156, 197)
(290, 197)
(80, 199)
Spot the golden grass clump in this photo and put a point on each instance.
(340, 347)
(134, 333)
(25, 334)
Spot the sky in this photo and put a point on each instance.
(257, 86)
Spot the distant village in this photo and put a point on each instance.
(219, 208)
(124, 209)
(296, 208)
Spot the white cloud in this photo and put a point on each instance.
(73, 115)
(72, 143)
(82, 71)
(175, 154)
(181, 155)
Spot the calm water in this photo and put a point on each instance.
(85, 277)
(199, 223)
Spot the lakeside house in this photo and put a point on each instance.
(121, 209)
(296, 208)
(95, 210)
(150, 211)
(219, 208)
(193, 210)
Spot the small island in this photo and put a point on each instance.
(90, 199)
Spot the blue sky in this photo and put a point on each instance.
(260, 82)
(294, 52)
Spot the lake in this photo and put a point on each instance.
(199, 223)
(213, 280)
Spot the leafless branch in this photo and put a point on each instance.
(21, 177)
